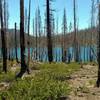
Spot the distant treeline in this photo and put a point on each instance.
(83, 38)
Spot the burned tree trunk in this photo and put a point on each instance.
(49, 37)
(29, 33)
(39, 32)
(36, 38)
(57, 39)
(64, 28)
(22, 41)
(92, 27)
(76, 56)
(3, 38)
(16, 44)
(98, 80)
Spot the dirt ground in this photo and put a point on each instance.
(83, 84)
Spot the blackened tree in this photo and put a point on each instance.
(49, 37)
(16, 43)
(3, 38)
(22, 41)
(75, 44)
(98, 80)
(64, 31)
(29, 32)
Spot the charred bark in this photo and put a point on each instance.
(22, 41)
(49, 37)
(3, 38)
(98, 79)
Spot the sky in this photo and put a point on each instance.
(83, 11)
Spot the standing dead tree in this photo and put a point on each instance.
(92, 27)
(16, 43)
(49, 37)
(53, 34)
(29, 32)
(26, 21)
(22, 41)
(3, 38)
(7, 25)
(32, 53)
(57, 38)
(26, 26)
(75, 45)
(98, 80)
(69, 51)
(39, 32)
(64, 31)
(36, 37)
(6, 20)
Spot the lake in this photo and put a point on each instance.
(84, 54)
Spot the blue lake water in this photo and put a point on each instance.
(57, 53)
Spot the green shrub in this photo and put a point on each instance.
(7, 77)
(36, 89)
(50, 83)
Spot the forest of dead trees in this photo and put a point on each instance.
(46, 37)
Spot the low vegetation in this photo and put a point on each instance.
(50, 83)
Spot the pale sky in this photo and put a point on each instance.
(83, 11)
